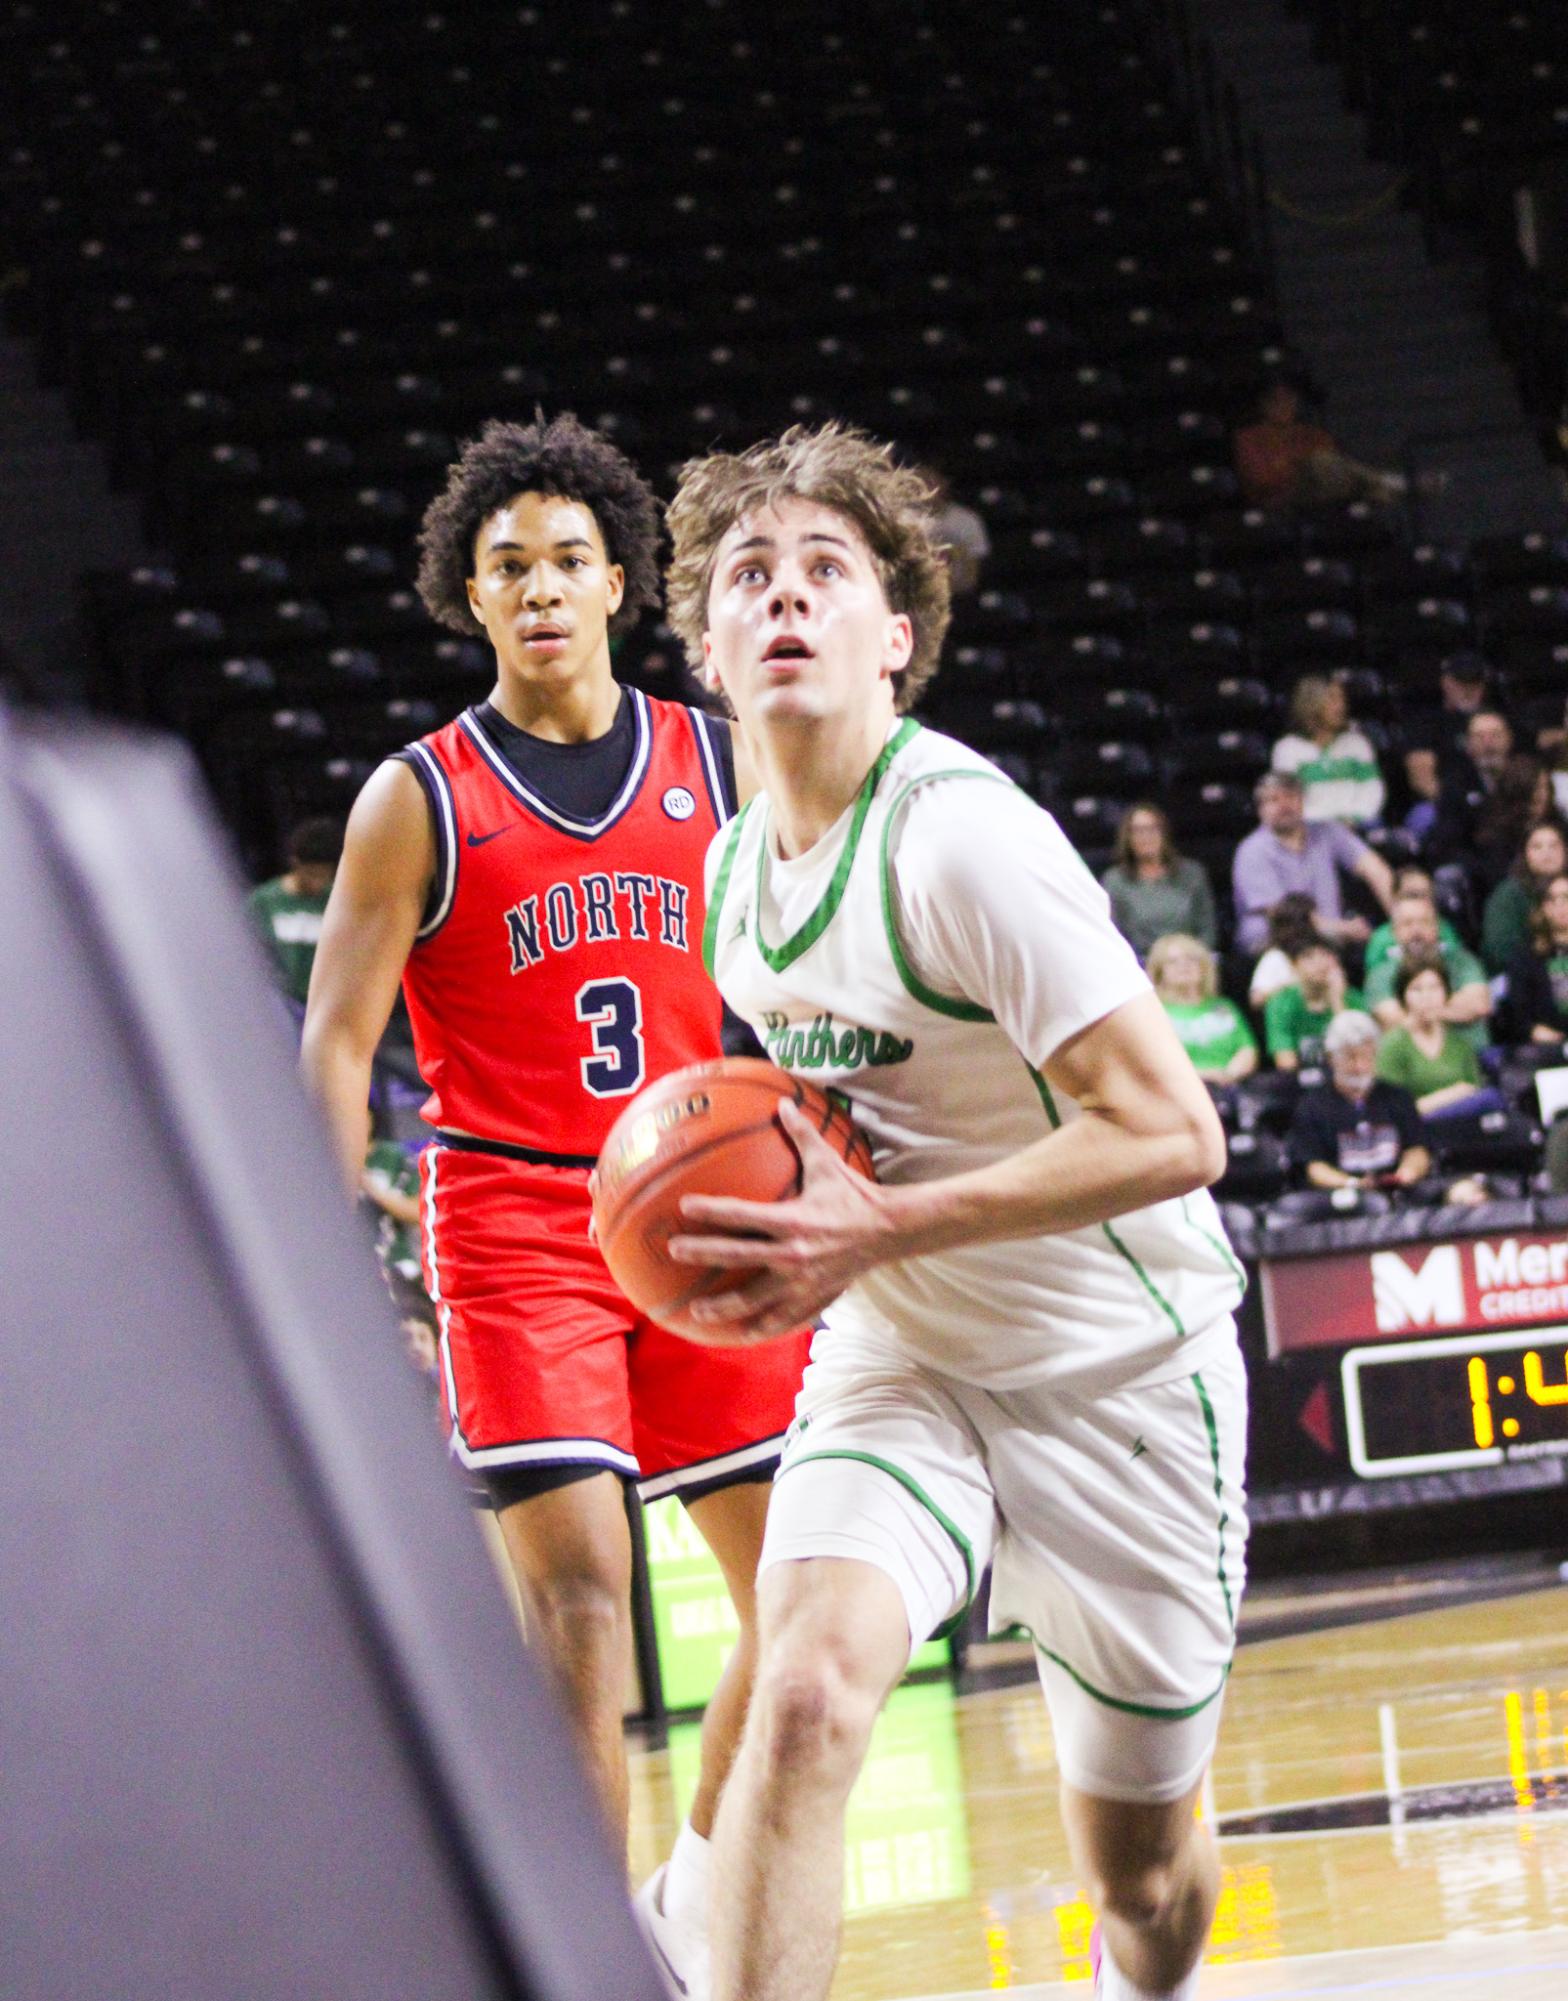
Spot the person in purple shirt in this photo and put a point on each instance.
(1286, 852)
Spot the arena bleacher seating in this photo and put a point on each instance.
(283, 268)
(284, 264)
(1473, 103)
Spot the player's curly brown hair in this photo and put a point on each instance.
(838, 467)
(557, 456)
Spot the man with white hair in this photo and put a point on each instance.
(1356, 1131)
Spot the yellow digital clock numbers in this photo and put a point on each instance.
(1466, 1401)
(1536, 1388)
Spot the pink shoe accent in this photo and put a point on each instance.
(1096, 1952)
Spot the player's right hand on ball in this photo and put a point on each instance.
(816, 1244)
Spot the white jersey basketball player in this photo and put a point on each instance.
(1028, 1359)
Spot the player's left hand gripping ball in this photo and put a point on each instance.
(818, 1243)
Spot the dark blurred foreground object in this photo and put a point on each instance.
(267, 1728)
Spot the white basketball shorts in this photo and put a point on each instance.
(1115, 1526)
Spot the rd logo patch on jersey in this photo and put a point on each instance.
(679, 803)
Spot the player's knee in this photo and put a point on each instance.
(1138, 1894)
(580, 1611)
(814, 1718)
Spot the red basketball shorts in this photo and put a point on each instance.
(544, 1361)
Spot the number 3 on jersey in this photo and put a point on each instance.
(613, 1012)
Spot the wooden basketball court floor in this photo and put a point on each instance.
(1391, 1800)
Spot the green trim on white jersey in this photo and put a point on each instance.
(949, 1004)
(1219, 1490)
(1219, 1244)
(1135, 1708)
(781, 959)
(912, 1487)
(1154, 1292)
(874, 993)
(710, 930)
(1146, 1282)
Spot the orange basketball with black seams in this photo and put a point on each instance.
(710, 1129)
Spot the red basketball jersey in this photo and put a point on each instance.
(559, 967)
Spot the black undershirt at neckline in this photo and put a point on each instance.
(580, 780)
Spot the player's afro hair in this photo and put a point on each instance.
(557, 456)
(839, 467)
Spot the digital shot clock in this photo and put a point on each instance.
(1474, 1400)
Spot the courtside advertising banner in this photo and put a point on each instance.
(1476, 1284)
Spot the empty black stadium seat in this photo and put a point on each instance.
(1485, 1143)
(1115, 768)
(1256, 1167)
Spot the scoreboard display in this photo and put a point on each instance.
(1424, 1406)
(1391, 1363)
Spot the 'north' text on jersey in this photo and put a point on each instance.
(559, 967)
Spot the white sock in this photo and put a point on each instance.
(685, 1897)
(1115, 1986)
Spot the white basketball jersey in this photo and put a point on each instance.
(924, 959)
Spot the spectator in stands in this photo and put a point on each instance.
(1282, 461)
(288, 909)
(1470, 779)
(1355, 1132)
(1154, 890)
(1521, 799)
(1538, 976)
(1435, 746)
(1426, 1055)
(1555, 1155)
(1213, 1030)
(1552, 745)
(389, 1182)
(1416, 934)
(1288, 852)
(1336, 763)
(1296, 1017)
(1505, 922)
(1292, 926)
(961, 534)
(1382, 942)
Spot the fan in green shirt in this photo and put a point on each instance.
(1382, 946)
(288, 909)
(1382, 942)
(1426, 1055)
(391, 1181)
(1213, 1030)
(1416, 935)
(1295, 1017)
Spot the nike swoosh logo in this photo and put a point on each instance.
(478, 840)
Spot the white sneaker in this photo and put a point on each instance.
(680, 1951)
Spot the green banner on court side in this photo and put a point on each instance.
(693, 1620)
(906, 1832)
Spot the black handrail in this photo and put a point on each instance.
(1232, 152)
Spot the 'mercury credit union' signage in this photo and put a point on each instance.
(1350, 1297)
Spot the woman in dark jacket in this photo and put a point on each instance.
(1538, 976)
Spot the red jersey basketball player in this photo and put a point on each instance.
(533, 874)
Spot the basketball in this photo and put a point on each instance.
(709, 1129)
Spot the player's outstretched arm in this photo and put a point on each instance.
(1148, 1132)
(373, 914)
